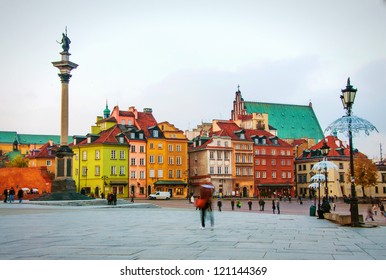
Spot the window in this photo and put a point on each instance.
(113, 170)
(132, 149)
(151, 159)
(160, 159)
(170, 174)
(226, 170)
(155, 133)
(211, 170)
(113, 154)
(340, 165)
(141, 149)
(283, 175)
(178, 175)
(121, 154)
(132, 135)
(48, 162)
(211, 155)
(274, 174)
(84, 155)
(160, 173)
(151, 146)
(160, 147)
(257, 162)
(142, 174)
(178, 148)
(219, 170)
(179, 160)
(170, 148)
(142, 161)
(121, 170)
(84, 170)
(97, 154)
(152, 173)
(257, 174)
(273, 162)
(132, 161)
(132, 174)
(219, 154)
(226, 155)
(273, 152)
(97, 170)
(263, 151)
(170, 160)
(219, 143)
(263, 162)
(289, 175)
(264, 174)
(141, 136)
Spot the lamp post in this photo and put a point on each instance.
(348, 98)
(325, 149)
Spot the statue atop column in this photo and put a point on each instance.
(65, 42)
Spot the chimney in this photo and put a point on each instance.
(148, 110)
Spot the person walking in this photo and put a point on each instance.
(262, 204)
(250, 205)
(273, 206)
(370, 213)
(20, 195)
(375, 209)
(219, 204)
(11, 195)
(5, 193)
(206, 194)
(233, 204)
(278, 207)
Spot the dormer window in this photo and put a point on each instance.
(141, 136)
(89, 140)
(155, 133)
(242, 136)
(132, 135)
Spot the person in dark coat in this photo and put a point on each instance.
(233, 204)
(5, 193)
(273, 206)
(219, 204)
(20, 194)
(250, 205)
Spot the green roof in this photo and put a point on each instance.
(291, 121)
(10, 137)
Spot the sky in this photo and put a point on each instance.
(185, 59)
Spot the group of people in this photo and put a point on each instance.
(9, 195)
(112, 199)
(373, 210)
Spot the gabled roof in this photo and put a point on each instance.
(8, 136)
(144, 121)
(291, 121)
(46, 151)
(108, 136)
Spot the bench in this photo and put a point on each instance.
(341, 219)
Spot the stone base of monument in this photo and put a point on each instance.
(63, 189)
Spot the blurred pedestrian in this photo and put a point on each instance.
(370, 213)
(250, 205)
(375, 209)
(219, 204)
(11, 195)
(278, 207)
(273, 206)
(206, 193)
(20, 195)
(5, 193)
(233, 204)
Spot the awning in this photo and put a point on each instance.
(118, 183)
(171, 182)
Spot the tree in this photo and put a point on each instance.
(18, 161)
(365, 172)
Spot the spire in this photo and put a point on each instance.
(106, 112)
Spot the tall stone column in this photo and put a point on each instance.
(63, 178)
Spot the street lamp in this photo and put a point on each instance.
(348, 98)
(325, 149)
